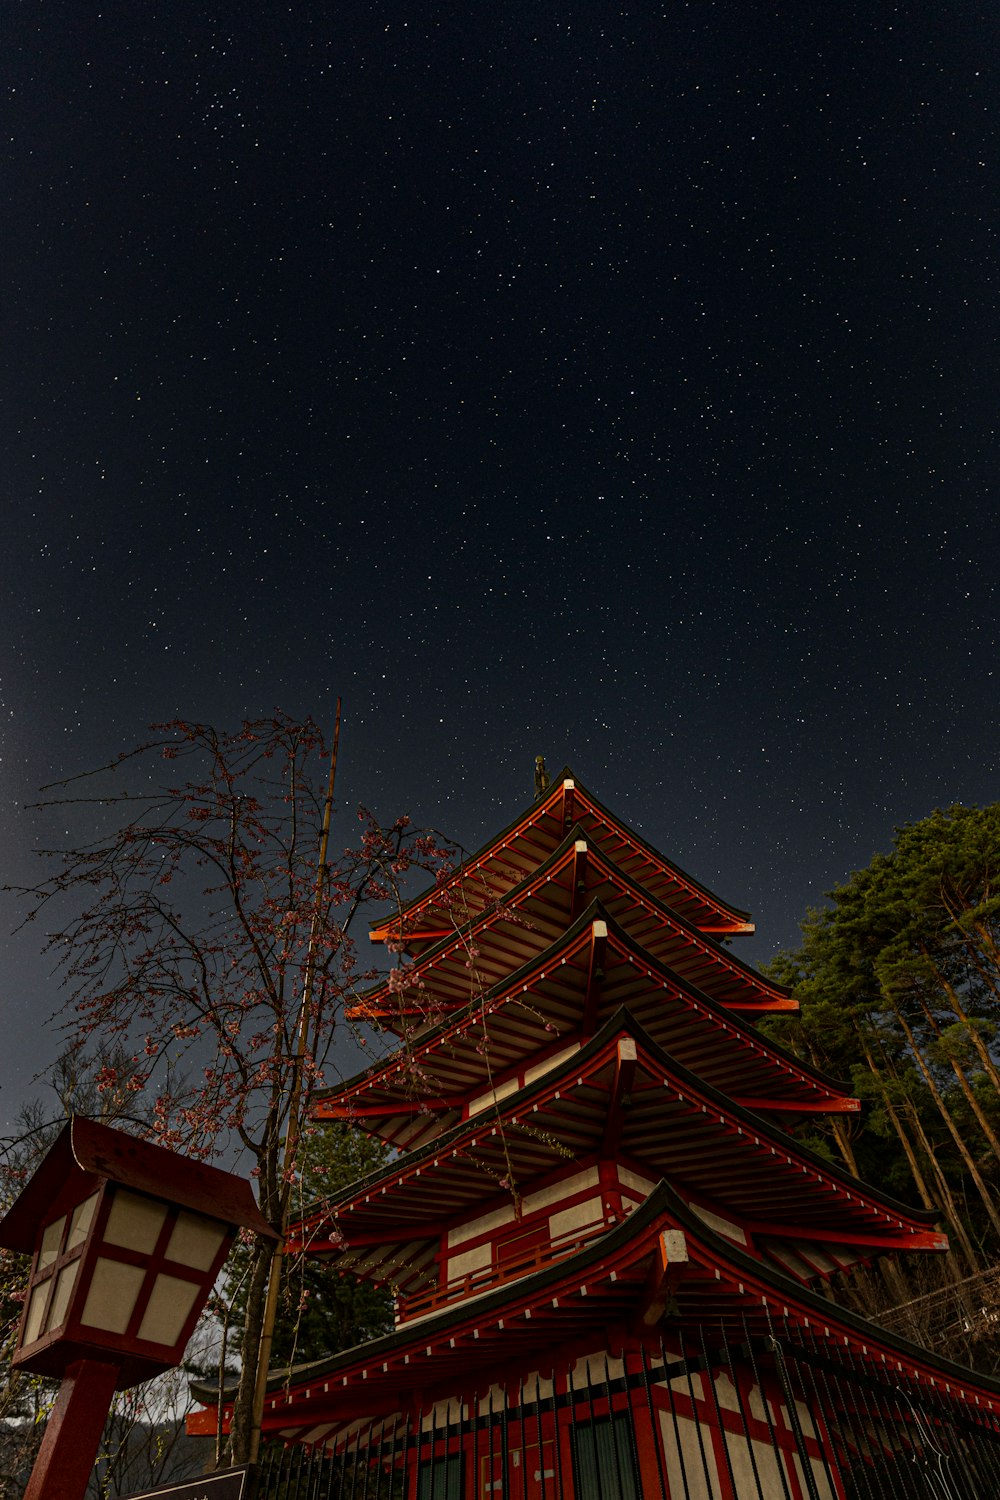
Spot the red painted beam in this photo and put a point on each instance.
(890, 1238)
(830, 1104)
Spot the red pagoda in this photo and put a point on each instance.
(609, 1254)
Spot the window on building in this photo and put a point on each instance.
(440, 1479)
(604, 1462)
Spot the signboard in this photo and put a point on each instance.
(225, 1484)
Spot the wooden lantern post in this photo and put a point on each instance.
(127, 1240)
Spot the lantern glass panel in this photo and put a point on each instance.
(134, 1222)
(60, 1297)
(195, 1241)
(36, 1310)
(166, 1313)
(111, 1298)
(48, 1251)
(80, 1221)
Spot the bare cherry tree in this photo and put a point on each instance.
(205, 932)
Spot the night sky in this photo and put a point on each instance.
(616, 383)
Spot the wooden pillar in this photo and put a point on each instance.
(65, 1460)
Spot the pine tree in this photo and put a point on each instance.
(899, 985)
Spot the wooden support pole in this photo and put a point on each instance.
(65, 1460)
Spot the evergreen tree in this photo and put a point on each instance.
(899, 985)
(321, 1311)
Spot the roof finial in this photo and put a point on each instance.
(541, 776)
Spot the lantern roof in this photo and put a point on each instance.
(86, 1152)
(511, 854)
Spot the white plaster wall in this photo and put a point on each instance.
(557, 1191)
(484, 1225)
(442, 1413)
(685, 1467)
(756, 1404)
(701, 1466)
(726, 1393)
(806, 1422)
(577, 1217)
(589, 1369)
(530, 1204)
(824, 1490)
(469, 1260)
(536, 1387)
(511, 1085)
(768, 1464)
(641, 1185)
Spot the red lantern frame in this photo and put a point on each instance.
(127, 1241)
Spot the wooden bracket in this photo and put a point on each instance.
(578, 878)
(595, 976)
(621, 1096)
(669, 1264)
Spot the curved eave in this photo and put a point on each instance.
(608, 1257)
(546, 902)
(612, 1282)
(541, 1007)
(566, 802)
(674, 1125)
(781, 1296)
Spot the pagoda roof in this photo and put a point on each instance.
(512, 854)
(482, 951)
(612, 1282)
(626, 1247)
(594, 967)
(619, 1095)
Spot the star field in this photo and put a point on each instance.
(612, 382)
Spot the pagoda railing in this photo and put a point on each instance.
(484, 1278)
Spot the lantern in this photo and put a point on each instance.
(127, 1241)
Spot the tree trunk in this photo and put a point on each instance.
(951, 1209)
(987, 972)
(241, 1423)
(844, 1146)
(953, 1129)
(945, 1201)
(904, 1140)
(894, 1279)
(966, 1087)
(945, 1205)
(975, 1036)
(840, 1129)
